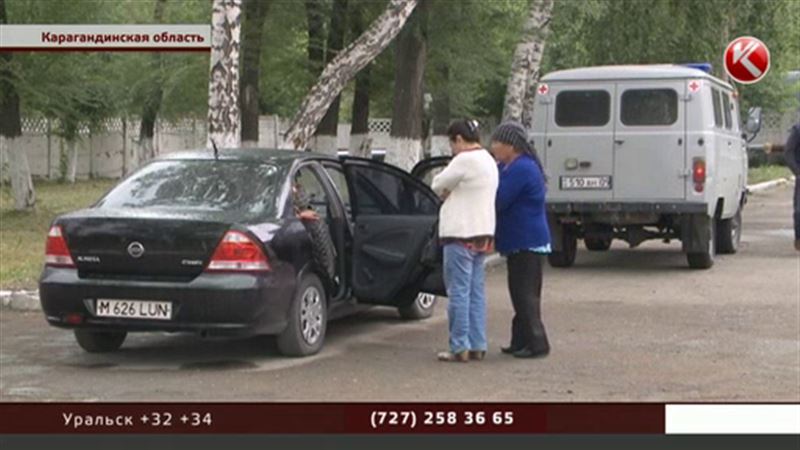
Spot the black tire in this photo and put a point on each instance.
(597, 245)
(704, 260)
(323, 252)
(421, 308)
(100, 341)
(729, 234)
(569, 249)
(308, 319)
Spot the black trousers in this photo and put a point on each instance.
(525, 287)
(797, 209)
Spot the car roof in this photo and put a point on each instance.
(630, 72)
(276, 156)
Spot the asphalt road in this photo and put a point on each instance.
(625, 325)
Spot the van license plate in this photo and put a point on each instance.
(133, 309)
(577, 183)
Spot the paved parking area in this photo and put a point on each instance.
(625, 325)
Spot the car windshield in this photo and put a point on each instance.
(244, 190)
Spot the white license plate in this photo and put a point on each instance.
(133, 309)
(602, 182)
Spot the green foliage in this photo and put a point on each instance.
(599, 32)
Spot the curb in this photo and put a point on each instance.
(20, 300)
(766, 185)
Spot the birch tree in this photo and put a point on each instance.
(223, 86)
(527, 59)
(343, 68)
(11, 130)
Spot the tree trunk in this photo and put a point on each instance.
(152, 103)
(223, 86)
(360, 144)
(72, 161)
(405, 145)
(344, 67)
(325, 140)
(11, 130)
(527, 58)
(440, 143)
(316, 36)
(255, 11)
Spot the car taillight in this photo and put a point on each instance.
(699, 174)
(56, 251)
(238, 253)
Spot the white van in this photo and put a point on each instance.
(642, 152)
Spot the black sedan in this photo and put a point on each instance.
(244, 243)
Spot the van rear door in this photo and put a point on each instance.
(579, 141)
(650, 141)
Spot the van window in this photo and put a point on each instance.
(726, 107)
(649, 107)
(715, 97)
(583, 108)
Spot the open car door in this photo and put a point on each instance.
(395, 219)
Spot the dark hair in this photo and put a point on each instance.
(515, 135)
(468, 129)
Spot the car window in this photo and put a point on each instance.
(726, 108)
(244, 190)
(715, 98)
(381, 191)
(582, 108)
(643, 107)
(308, 192)
(340, 182)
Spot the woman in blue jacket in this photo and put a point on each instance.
(521, 235)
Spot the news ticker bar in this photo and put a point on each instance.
(105, 37)
(398, 418)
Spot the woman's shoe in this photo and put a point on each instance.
(510, 350)
(453, 357)
(528, 353)
(477, 355)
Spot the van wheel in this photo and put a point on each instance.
(421, 308)
(569, 248)
(100, 341)
(729, 234)
(704, 260)
(597, 245)
(308, 319)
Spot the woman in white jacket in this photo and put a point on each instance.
(468, 186)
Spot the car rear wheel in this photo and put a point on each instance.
(308, 319)
(729, 234)
(597, 244)
(704, 260)
(569, 249)
(421, 308)
(100, 341)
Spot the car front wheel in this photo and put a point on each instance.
(307, 321)
(100, 341)
(421, 308)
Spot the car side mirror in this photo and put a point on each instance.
(753, 124)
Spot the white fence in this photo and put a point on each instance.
(108, 152)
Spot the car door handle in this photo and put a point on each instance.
(619, 141)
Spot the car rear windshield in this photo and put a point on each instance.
(642, 107)
(583, 108)
(245, 190)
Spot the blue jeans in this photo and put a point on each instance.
(465, 280)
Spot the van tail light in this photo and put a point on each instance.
(56, 251)
(699, 174)
(238, 253)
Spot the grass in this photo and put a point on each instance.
(22, 233)
(767, 173)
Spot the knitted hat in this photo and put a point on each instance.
(513, 134)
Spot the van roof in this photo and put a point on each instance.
(631, 72)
